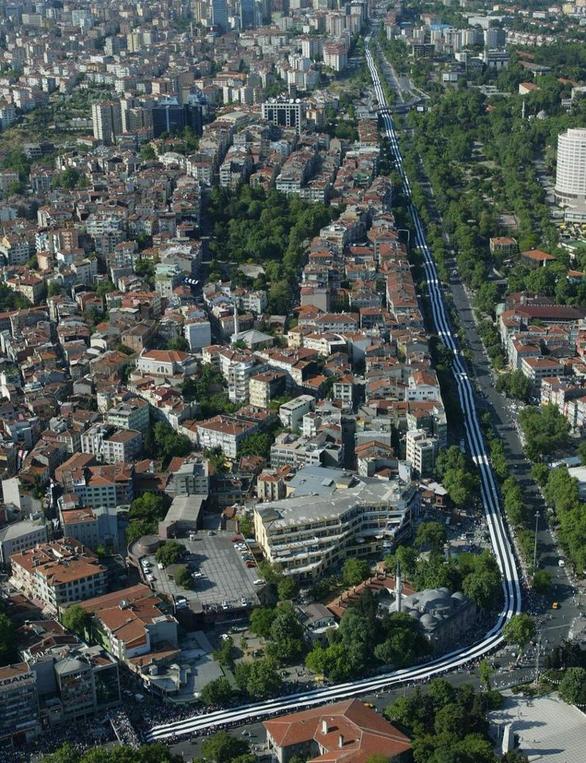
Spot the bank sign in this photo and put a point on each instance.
(17, 680)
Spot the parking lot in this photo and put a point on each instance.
(221, 578)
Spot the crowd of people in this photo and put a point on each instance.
(124, 729)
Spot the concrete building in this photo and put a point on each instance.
(130, 414)
(59, 573)
(570, 180)
(306, 535)
(19, 704)
(198, 333)
(132, 623)
(166, 363)
(284, 112)
(110, 446)
(224, 432)
(21, 536)
(421, 451)
(93, 527)
(107, 121)
(183, 517)
(265, 386)
(292, 412)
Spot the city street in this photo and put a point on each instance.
(503, 416)
(254, 732)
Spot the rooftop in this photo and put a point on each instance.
(346, 731)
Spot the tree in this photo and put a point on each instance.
(151, 753)
(404, 642)
(182, 577)
(104, 287)
(259, 679)
(541, 581)
(169, 553)
(519, 630)
(217, 692)
(514, 384)
(540, 473)
(286, 588)
(355, 571)
(431, 535)
(257, 445)
(7, 640)
(76, 619)
(545, 430)
(515, 756)
(179, 343)
(582, 452)
(169, 443)
(261, 620)
(223, 748)
(148, 154)
(225, 653)
(148, 506)
(485, 672)
(139, 527)
(461, 486)
(573, 686)
(286, 634)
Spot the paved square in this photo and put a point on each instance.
(549, 731)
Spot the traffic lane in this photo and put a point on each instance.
(562, 589)
(254, 733)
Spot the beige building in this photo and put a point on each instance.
(59, 573)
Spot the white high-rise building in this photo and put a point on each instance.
(107, 121)
(570, 181)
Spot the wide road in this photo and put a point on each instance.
(504, 420)
(490, 498)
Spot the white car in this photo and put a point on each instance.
(150, 578)
(258, 581)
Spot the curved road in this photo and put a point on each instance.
(490, 498)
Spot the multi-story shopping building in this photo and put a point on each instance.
(307, 535)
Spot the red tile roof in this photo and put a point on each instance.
(347, 731)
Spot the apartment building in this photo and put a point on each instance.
(537, 369)
(132, 414)
(21, 536)
(134, 622)
(292, 412)
(198, 332)
(305, 536)
(265, 386)
(320, 449)
(189, 477)
(421, 450)
(59, 573)
(224, 432)
(112, 446)
(166, 363)
(284, 112)
(107, 121)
